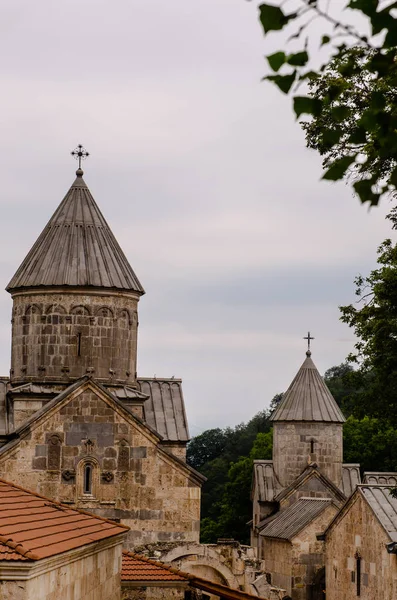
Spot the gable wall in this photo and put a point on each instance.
(312, 487)
(132, 479)
(359, 531)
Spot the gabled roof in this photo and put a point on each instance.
(76, 248)
(383, 505)
(33, 527)
(308, 398)
(136, 568)
(143, 571)
(265, 480)
(290, 521)
(351, 477)
(311, 470)
(380, 501)
(86, 381)
(165, 408)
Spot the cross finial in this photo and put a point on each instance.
(80, 153)
(308, 338)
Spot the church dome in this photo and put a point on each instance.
(77, 249)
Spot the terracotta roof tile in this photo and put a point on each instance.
(33, 527)
(137, 569)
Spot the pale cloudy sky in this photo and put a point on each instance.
(202, 174)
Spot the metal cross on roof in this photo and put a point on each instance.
(80, 153)
(308, 338)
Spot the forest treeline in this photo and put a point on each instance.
(225, 456)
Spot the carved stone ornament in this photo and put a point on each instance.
(68, 475)
(107, 476)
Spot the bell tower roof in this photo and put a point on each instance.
(308, 398)
(76, 249)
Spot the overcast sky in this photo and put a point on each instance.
(204, 178)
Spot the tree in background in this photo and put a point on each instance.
(225, 457)
(374, 321)
(352, 94)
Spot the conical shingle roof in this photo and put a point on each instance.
(308, 398)
(76, 248)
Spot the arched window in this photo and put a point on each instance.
(87, 480)
(87, 483)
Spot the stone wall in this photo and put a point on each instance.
(358, 534)
(132, 479)
(278, 562)
(160, 592)
(293, 565)
(92, 577)
(292, 445)
(63, 336)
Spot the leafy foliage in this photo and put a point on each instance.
(348, 97)
(225, 457)
(374, 322)
(352, 94)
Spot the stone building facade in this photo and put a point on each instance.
(48, 552)
(305, 484)
(361, 546)
(76, 422)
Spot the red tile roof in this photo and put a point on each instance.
(139, 569)
(33, 527)
(136, 568)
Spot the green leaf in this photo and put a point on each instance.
(365, 193)
(358, 136)
(273, 18)
(340, 113)
(283, 82)
(325, 40)
(338, 168)
(305, 104)
(299, 59)
(276, 60)
(331, 137)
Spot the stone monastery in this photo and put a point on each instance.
(80, 431)
(77, 424)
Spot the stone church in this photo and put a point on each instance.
(76, 422)
(298, 493)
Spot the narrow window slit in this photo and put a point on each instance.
(311, 446)
(88, 479)
(79, 344)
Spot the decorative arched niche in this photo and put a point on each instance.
(87, 479)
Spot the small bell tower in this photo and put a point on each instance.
(307, 427)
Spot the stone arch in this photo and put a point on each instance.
(80, 309)
(32, 309)
(207, 563)
(104, 311)
(91, 462)
(55, 309)
(124, 317)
